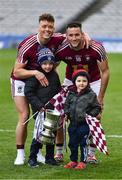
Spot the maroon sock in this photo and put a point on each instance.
(20, 146)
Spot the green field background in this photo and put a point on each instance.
(110, 167)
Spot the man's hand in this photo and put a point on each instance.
(41, 78)
(101, 102)
(86, 40)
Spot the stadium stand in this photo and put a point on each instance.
(106, 26)
(107, 22)
(101, 19)
(21, 17)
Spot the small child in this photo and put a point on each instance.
(38, 96)
(80, 101)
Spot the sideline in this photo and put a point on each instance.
(6, 130)
(109, 136)
(114, 136)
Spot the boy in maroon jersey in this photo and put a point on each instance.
(25, 67)
(93, 59)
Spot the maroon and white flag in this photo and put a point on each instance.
(97, 133)
(58, 102)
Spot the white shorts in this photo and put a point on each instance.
(17, 87)
(94, 85)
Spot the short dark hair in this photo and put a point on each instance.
(46, 16)
(74, 24)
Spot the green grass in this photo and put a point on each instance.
(108, 168)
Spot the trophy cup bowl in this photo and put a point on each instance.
(47, 137)
(52, 118)
(50, 125)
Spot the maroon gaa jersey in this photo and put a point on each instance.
(28, 50)
(83, 58)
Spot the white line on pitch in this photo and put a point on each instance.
(6, 130)
(114, 136)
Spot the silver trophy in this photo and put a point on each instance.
(50, 125)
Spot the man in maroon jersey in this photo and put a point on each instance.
(93, 59)
(26, 66)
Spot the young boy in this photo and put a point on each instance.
(80, 101)
(38, 96)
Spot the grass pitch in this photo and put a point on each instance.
(109, 167)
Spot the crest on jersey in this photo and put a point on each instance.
(68, 58)
(19, 90)
(87, 57)
(78, 58)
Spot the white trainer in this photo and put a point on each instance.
(19, 160)
(40, 158)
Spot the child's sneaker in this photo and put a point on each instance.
(81, 166)
(59, 157)
(40, 158)
(71, 165)
(51, 162)
(32, 163)
(19, 160)
(92, 159)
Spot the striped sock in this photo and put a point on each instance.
(59, 148)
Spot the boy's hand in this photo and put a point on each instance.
(42, 109)
(66, 118)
